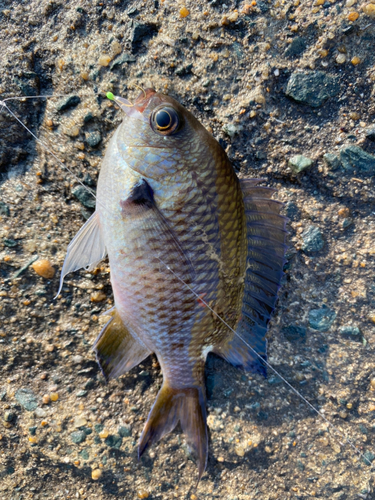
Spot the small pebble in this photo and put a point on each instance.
(356, 60)
(341, 58)
(96, 474)
(312, 239)
(104, 60)
(299, 163)
(142, 494)
(98, 296)
(27, 399)
(322, 319)
(54, 396)
(78, 437)
(44, 268)
(184, 12)
(46, 399)
(239, 450)
(369, 10)
(103, 434)
(80, 422)
(344, 212)
(353, 16)
(332, 161)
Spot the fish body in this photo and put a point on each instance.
(194, 255)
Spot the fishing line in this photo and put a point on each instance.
(332, 426)
(45, 145)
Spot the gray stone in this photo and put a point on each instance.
(88, 117)
(84, 196)
(81, 394)
(263, 6)
(312, 239)
(84, 454)
(231, 129)
(294, 333)
(368, 457)
(39, 412)
(332, 161)
(68, 102)
(184, 70)
(355, 157)
(292, 211)
(142, 32)
(125, 431)
(78, 437)
(347, 222)
(93, 139)
(297, 46)
(9, 242)
(312, 87)
(9, 416)
(113, 441)
(77, 359)
(299, 163)
(322, 319)
(4, 209)
(27, 399)
(370, 133)
(350, 330)
(122, 59)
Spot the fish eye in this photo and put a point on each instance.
(165, 121)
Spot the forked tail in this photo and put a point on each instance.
(173, 405)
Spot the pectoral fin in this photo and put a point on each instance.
(86, 249)
(117, 351)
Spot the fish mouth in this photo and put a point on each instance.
(135, 110)
(144, 98)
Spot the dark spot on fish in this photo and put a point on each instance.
(142, 195)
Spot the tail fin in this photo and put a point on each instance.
(187, 406)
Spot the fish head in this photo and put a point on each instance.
(159, 138)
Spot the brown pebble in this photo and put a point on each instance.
(98, 296)
(44, 268)
(46, 399)
(344, 212)
(54, 396)
(104, 60)
(369, 10)
(96, 474)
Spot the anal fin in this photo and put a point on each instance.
(117, 351)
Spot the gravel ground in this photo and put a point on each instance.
(288, 88)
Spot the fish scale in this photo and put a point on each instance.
(195, 255)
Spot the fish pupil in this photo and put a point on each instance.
(163, 119)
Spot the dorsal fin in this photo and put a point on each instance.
(86, 249)
(266, 236)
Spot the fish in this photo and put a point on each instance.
(196, 258)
